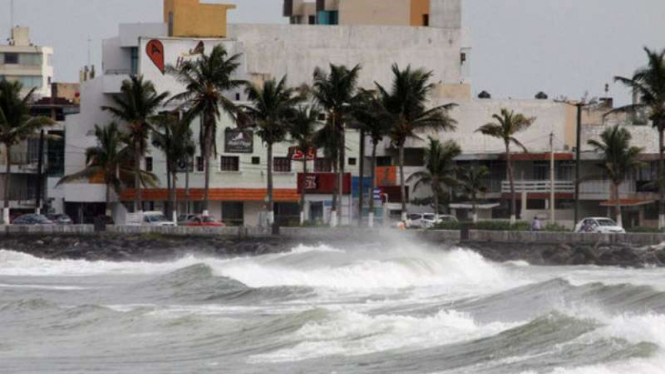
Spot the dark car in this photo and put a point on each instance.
(60, 219)
(32, 219)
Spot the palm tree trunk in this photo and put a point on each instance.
(511, 178)
(138, 201)
(435, 189)
(617, 203)
(661, 176)
(174, 203)
(270, 206)
(475, 207)
(401, 180)
(108, 200)
(187, 197)
(169, 207)
(340, 179)
(362, 178)
(335, 201)
(303, 195)
(5, 213)
(371, 194)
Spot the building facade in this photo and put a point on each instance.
(22, 61)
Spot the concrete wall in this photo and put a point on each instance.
(446, 14)
(194, 19)
(295, 50)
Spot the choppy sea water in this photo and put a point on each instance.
(404, 308)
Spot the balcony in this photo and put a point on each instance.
(601, 189)
(541, 186)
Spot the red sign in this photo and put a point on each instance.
(297, 154)
(322, 183)
(155, 50)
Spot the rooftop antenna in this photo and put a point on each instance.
(89, 58)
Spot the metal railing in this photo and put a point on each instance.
(604, 187)
(539, 186)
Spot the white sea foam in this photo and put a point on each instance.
(350, 333)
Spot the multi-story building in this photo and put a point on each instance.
(22, 61)
(375, 37)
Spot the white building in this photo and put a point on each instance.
(22, 61)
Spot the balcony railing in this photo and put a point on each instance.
(604, 187)
(539, 186)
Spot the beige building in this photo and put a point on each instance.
(22, 61)
(359, 12)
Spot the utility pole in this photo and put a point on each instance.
(578, 152)
(552, 180)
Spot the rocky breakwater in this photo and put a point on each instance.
(621, 255)
(149, 247)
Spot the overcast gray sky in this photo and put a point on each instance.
(519, 47)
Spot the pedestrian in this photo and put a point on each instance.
(536, 225)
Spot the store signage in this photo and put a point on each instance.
(155, 51)
(297, 154)
(238, 141)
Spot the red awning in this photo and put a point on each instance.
(627, 202)
(216, 194)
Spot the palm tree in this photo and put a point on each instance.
(440, 168)
(271, 107)
(206, 82)
(472, 182)
(507, 125)
(175, 140)
(302, 130)
(407, 103)
(335, 93)
(619, 158)
(110, 160)
(328, 139)
(136, 104)
(649, 84)
(16, 125)
(374, 122)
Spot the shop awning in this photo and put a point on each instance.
(627, 202)
(216, 194)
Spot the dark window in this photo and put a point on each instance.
(148, 164)
(11, 58)
(312, 20)
(384, 161)
(135, 60)
(256, 160)
(322, 165)
(199, 164)
(541, 170)
(233, 213)
(425, 19)
(170, 23)
(230, 163)
(566, 171)
(463, 58)
(535, 204)
(282, 164)
(237, 97)
(352, 161)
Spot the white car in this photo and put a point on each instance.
(428, 220)
(148, 219)
(599, 225)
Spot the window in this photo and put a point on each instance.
(352, 161)
(566, 171)
(282, 164)
(148, 164)
(32, 59)
(312, 20)
(237, 97)
(170, 23)
(230, 163)
(31, 81)
(535, 204)
(425, 19)
(541, 170)
(135, 60)
(384, 161)
(256, 160)
(322, 165)
(199, 164)
(11, 58)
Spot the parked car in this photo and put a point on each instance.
(148, 219)
(204, 221)
(32, 219)
(60, 219)
(184, 218)
(599, 225)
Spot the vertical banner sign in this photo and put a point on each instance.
(155, 51)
